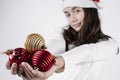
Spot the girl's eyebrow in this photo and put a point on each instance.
(65, 11)
(71, 9)
(74, 8)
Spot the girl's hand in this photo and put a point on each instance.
(31, 74)
(14, 68)
(28, 73)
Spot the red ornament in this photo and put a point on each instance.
(19, 55)
(96, 1)
(42, 60)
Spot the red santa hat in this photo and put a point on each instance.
(81, 3)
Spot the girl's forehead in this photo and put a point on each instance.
(71, 8)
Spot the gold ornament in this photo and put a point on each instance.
(34, 42)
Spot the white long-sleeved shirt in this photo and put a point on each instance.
(84, 62)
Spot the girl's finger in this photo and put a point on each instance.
(38, 73)
(44, 75)
(28, 69)
(24, 78)
(20, 71)
(27, 75)
(8, 66)
(14, 69)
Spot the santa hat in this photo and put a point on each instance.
(81, 3)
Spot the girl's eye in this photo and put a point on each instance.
(77, 11)
(67, 15)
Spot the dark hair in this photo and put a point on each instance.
(90, 31)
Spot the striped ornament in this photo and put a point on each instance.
(42, 60)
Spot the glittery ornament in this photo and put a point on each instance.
(96, 1)
(19, 55)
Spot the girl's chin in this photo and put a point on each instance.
(77, 29)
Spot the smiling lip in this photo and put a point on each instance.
(76, 25)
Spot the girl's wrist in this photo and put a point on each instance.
(59, 63)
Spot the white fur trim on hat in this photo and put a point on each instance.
(80, 3)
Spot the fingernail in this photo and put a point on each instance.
(23, 63)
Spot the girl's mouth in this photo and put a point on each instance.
(77, 25)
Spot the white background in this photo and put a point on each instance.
(18, 18)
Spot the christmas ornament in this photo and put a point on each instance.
(34, 53)
(34, 42)
(42, 60)
(19, 55)
(96, 1)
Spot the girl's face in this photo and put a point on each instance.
(75, 16)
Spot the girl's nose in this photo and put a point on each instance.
(73, 18)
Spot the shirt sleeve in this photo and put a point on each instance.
(56, 44)
(90, 52)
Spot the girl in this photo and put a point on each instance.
(80, 51)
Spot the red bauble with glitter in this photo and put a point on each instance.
(96, 1)
(19, 55)
(42, 60)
